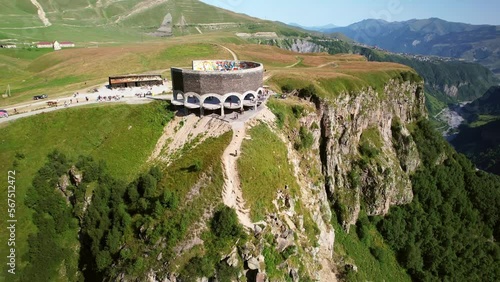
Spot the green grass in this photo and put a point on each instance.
(32, 72)
(372, 136)
(433, 104)
(24, 53)
(288, 112)
(198, 193)
(344, 81)
(181, 178)
(123, 135)
(484, 119)
(186, 53)
(264, 168)
(181, 175)
(118, 21)
(355, 251)
(297, 82)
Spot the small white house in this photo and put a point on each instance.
(57, 46)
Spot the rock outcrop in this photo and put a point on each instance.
(367, 151)
(293, 44)
(165, 28)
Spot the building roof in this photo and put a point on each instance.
(135, 77)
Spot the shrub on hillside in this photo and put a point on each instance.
(287, 88)
(307, 92)
(367, 150)
(225, 224)
(306, 139)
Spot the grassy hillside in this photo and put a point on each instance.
(110, 21)
(34, 71)
(124, 141)
(264, 169)
(445, 81)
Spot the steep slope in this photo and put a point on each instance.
(346, 154)
(478, 138)
(481, 145)
(488, 104)
(478, 43)
(124, 145)
(364, 164)
(450, 231)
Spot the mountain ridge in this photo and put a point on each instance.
(433, 36)
(321, 28)
(120, 21)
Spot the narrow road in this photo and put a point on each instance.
(128, 100)
(327, 64)
(438, 114)
(230, 51)
(299, 60)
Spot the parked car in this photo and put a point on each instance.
(42, 96)
(3, 113)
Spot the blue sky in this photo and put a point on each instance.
(345, 12)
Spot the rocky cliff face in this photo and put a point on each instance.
(293, 44)
(366, 149)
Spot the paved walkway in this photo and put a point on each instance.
(132, 100)
(127, 95)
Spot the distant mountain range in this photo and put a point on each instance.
(475, 43)
(323, 28)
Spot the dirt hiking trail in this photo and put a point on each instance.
(232, 195)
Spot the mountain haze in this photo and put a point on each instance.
(323, 28)
(475, 43)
